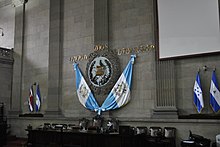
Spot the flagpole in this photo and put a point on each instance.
(214, 93)
(34, 92)
(34, 97)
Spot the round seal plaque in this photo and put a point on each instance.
(102, 71)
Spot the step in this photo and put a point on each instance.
(18, 142)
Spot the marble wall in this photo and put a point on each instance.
(35, 51)
(7, 23)
(54, 31)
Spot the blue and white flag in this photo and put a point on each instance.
(198, 97)
(120, 93)
(214, 94)
(38, 98)
(84, 93)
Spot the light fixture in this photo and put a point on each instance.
(2, 34)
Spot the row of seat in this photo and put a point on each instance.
(167, 132)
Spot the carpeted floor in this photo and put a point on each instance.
(17, 142)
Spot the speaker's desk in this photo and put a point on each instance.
(76, 138)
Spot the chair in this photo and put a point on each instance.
(169, 138)
(141, 130)
(169, 132)
(155, 136)
(155, 131)
(218, 140)
(195, 141)
(83, 124)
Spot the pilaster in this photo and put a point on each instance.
(15, 106)
(165, 103)
(100, 22)
(55, 58)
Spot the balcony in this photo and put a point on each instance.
(6, 55)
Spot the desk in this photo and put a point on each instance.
(70, 138)
(3, 129)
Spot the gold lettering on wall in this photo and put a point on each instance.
(78, 58)
(100, 47)
(122, 51)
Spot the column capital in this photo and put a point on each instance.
(18, 3)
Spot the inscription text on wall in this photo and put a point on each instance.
(121, 51)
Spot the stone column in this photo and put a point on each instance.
(100, 22)
(100, 31)
(101, 36)
(15, 106)
(54, 67)
(165, 103)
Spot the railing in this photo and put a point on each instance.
(6, 53)
(3, 118)
(3, 125)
